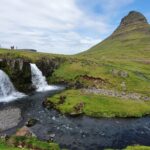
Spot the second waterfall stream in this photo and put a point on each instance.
(39, 81)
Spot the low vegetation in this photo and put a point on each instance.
(26, 143)
(75, 102)
(137, 147)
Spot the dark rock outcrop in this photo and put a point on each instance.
(48, 104)
(19, 72)
(133, 18)
(48, 65)
(31, 122)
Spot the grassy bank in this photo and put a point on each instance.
(75, 102)
(33, 56)
(4, 146)
(137, 148)
(26, 143)
(108, 69)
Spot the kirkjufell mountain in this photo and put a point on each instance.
(131, 36)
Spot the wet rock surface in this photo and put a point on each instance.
(31, 122)
(19, 71)
(47, 66)
(9, 118)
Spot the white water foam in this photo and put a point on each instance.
(39, 81)
(7, 91)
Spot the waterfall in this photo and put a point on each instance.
(39, 81)
(7, 90)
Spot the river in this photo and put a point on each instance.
(80, 133)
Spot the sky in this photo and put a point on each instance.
(62, 26)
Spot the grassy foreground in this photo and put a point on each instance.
(4, 146)
(137, 148)
(74, 102)
(26, 143)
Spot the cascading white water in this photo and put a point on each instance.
(7, 90)
(39, 81)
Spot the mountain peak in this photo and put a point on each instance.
(133, 17)
(133, 21)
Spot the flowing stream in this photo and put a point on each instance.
(80, 133)
(39, 81)
(7, 90)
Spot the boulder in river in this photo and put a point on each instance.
(31, 122)
(9, 118)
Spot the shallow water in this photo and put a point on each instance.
(82, 132)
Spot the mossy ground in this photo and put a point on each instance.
(138, 147)
(135, 147)
(73, 67)
(99, 106)
(4, 146)
(26, 143)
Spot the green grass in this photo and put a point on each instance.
(100, 106)
(4, 146)
(32, 56)
(123, 46)
(13, 142)
(135, 147)
(138, 147)
(136, 82)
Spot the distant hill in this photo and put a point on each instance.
(130, 40)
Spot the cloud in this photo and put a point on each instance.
(56, 26)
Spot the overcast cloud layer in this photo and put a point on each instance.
(57, 26)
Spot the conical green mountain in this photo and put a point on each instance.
(130, 40)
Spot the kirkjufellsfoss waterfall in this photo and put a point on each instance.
(7, 91)
(39, 81)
